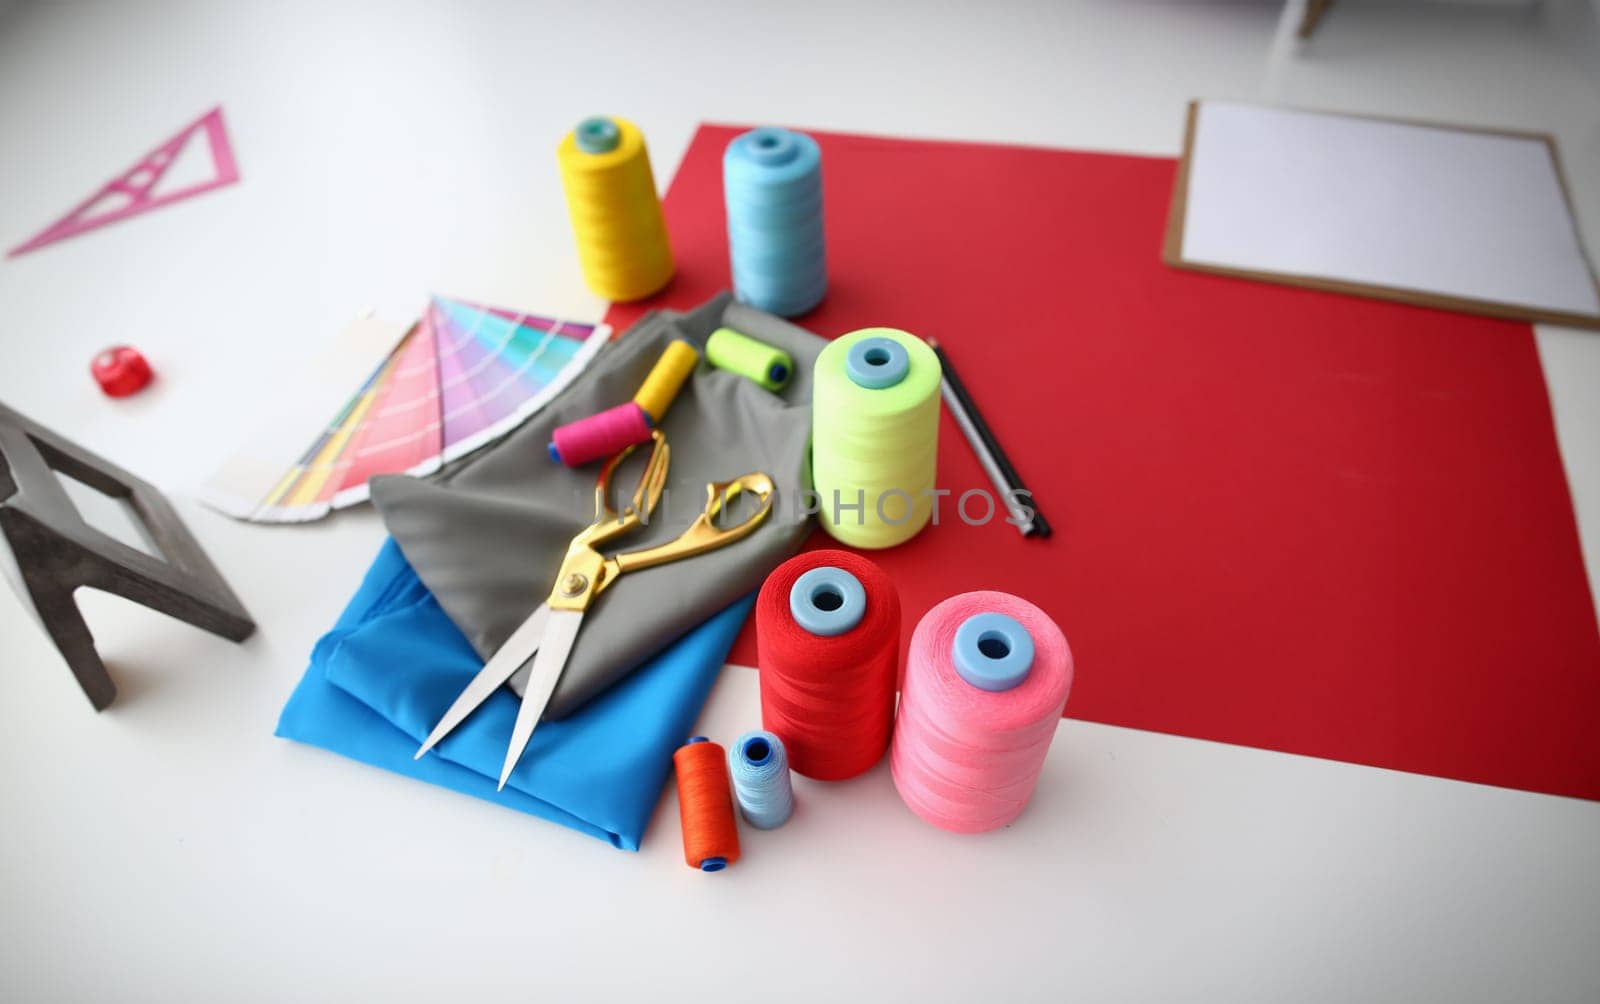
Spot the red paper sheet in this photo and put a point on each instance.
(1285, 519)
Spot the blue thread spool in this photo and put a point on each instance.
(992, 651)
(761, 783)
(772, 182)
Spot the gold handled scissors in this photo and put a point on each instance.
(548, 633)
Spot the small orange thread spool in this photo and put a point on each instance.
(705, 806)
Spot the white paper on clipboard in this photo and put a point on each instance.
(1456, 214)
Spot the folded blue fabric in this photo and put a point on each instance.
(386, 672)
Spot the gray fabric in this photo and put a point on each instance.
(488, 536)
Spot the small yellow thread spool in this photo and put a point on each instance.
(735, 352)
(616, 214)
(666, 378)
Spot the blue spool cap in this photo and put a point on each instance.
(992, 651)
(772, 157)
(778, 373)
(770, 147)
(597, 135)
(827, 601)
(756, 750)
(877, 362)
(698, 739)
(555, 451)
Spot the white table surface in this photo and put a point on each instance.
(172, 849)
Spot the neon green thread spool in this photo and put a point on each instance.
(730, 350)
(875, 436)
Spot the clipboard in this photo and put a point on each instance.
(1178, 214)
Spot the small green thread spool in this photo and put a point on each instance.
(730, 350)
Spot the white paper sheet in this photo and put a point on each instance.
(297, 414)
(1423, 208)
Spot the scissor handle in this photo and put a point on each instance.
(704, 535)
(608, 522)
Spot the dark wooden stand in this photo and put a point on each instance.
(53, 552)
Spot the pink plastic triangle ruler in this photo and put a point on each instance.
(134, 191)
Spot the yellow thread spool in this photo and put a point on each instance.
(666, 378)
(616, 214)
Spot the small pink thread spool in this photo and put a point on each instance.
(986, 680)
(599, 435)
(603, 434)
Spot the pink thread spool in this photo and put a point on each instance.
(986, 680)
(599, 435)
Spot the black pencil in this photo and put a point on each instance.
(991, 457)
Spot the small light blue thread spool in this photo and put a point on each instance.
(760, 768)
(772, 182)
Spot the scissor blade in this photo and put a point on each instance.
(502, 666)
(559, 633)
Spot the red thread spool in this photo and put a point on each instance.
(600, 435)
(705, 806)
(120, 371)
(829, 696)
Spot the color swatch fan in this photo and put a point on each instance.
(460, 377)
